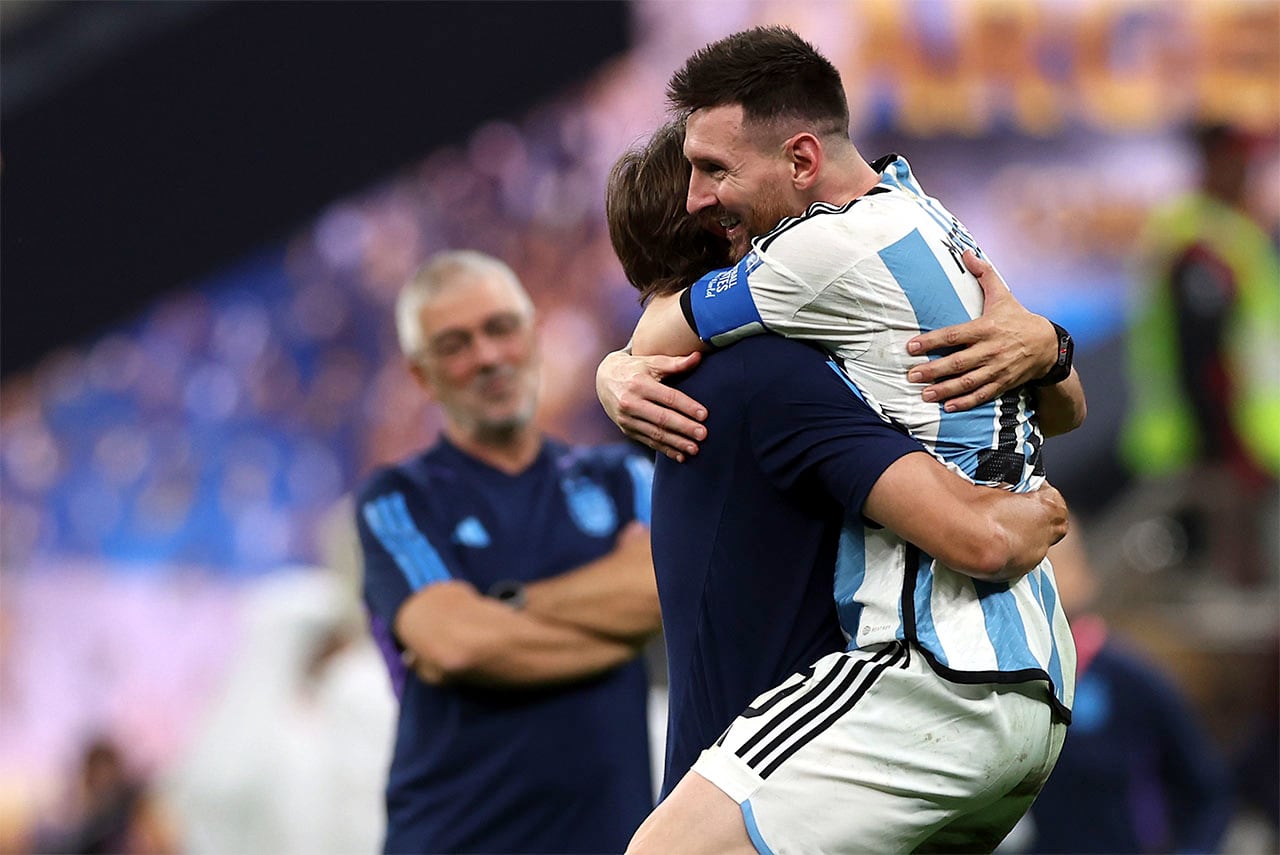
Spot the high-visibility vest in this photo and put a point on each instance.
(1160, 435)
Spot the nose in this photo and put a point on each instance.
(701, 195)
(488, 350)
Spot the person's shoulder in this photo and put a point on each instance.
(768, 351)
(751, 365)
(400, 475)
(836, 233)
(381, 480)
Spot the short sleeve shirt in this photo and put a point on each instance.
(746, 533)
(558, 769)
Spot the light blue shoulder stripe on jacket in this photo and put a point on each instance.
(641, 472)
(389, 520)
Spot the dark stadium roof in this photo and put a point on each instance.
(144, 145)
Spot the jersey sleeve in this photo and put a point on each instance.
(788, 284)
(399, 552)
(809, 423)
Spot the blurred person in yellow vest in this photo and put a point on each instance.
(1204, 353)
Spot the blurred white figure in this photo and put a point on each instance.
(292, 757)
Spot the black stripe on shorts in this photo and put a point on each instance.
(802, 722)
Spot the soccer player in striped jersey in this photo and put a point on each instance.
(865, 263)
(509, 583)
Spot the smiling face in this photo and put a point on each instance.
(479, 358)
(741, 180)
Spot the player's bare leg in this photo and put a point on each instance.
(697, 818)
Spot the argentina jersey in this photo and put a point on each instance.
(861, 280)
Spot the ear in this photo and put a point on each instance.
(804, 152)
(421, 377)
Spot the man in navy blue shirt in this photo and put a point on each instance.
(509, 582)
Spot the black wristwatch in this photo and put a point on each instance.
(1061, 369)
(509, 591)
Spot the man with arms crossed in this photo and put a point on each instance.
(512, 574)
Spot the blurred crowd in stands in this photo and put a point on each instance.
(169, 491)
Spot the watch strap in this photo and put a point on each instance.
(1061, 369)
(508, 591)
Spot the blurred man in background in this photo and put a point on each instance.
(1138, 773)
(1204, 357)
(292, 753)
(109, 809)
(509, 581)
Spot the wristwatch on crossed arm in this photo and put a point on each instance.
(508, 591)
(1061, 369)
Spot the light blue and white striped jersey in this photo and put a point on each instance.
(861, 280)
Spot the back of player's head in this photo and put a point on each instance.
(771, 72)
(661, 247)
(442, 271)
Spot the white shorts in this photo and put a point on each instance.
(871, 751)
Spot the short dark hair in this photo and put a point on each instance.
(771, 72)
(661, 247)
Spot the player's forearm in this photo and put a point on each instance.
(615, 596)
(664, 330)
(546, 655)
(982, 532)
(1061, 407)
(517, 649)
(1020, 528)
(453, 634)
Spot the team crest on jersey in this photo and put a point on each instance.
(590, 506)
(471, 532)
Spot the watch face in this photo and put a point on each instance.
(509, 592)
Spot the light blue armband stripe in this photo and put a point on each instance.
(389, 520)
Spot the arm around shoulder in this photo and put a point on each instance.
(633, 396)
(664, 330)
